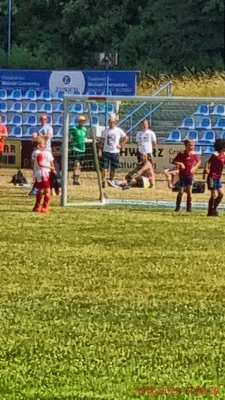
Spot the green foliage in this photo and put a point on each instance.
(89, 312)
(152, 36)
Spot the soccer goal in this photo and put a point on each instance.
(171, 118)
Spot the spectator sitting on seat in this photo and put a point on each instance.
(142, 176)
(18, 179)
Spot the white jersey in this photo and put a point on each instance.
(144, 140)
(112, 139)
(43, 157)
(47, 130)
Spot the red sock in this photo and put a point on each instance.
(46, 201)
(38, 199)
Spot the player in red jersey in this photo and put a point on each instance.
(214, 168)
(188, 163)
(42, 165)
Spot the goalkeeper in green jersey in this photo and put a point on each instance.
(78, 147)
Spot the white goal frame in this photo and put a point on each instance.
(68, 99)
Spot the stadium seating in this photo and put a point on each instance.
(31, 107)
(205, 123)
(4, 119)
(46, 108)
(219, 110)
(16, 131)
(59, 121)
(192, 135)
(94, 108)
(174, 136)
(16, 107)
(3, 107)
(29, 132)
(198, 150)
(107, 108)
(16, 95)
(203, 110)
(220, 124)
(208, 137)
(188, 123)
(209, 150)
(59, 95)
(45, 95)
(16, 120)
(222, 135)
(3, 94)
(49, 119)
(31, 120)
(59, 133)
(77, 108)
(59, 108)
(30, 95)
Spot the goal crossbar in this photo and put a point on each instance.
(153, 99)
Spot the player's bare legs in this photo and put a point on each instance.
(218, 200)
(103, 174)
(112, 174)
(179, 199)
(189, 198)
(76, 173)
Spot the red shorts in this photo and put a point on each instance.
(42, 185)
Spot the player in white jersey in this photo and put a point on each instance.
(113, 139)
(42, 165)
(146, 140)
(46, 130)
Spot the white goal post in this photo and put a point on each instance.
(87, 105)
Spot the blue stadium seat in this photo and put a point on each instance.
(45, 95)
(94, 120)
(220, 124)
(219, 110)
(59, 133)
(208, 137)
(3, 94)
(222, 135)
(74, 121)
(94, 108)
(87, 123)
(30, 95)
(202, 109)
(193, 135)
(16, 107)
(188, 123)
(16, 131)
(174, 136)
(4, 119)
(31, 120)
(77, 108)
(59, 95)
(16, 120)
(205, 123)
(29, 132)
(91, 93)
(46, 108)
(59, 121)
(16, 95)
(198, 150)
(59, 108)
(49, 119)
(107, 108)
(209, 150)
(3, 107)
(31, 107)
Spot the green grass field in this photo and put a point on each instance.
(102, 303)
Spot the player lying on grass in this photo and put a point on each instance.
(188, 163)
(42, 165)
(141, 176)
(214, 168)
(172, 176)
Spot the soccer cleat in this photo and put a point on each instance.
(189, 210)
(76, 183)
(37, 209)
(45, 210)
(177, 209)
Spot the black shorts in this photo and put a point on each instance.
(139, 155)
(109, 159)
(77, 156)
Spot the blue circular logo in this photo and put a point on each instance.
(66, 79)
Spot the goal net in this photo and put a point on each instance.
(171, 118)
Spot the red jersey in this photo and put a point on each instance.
(189, 160)
(216, 164)
(3, 134)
